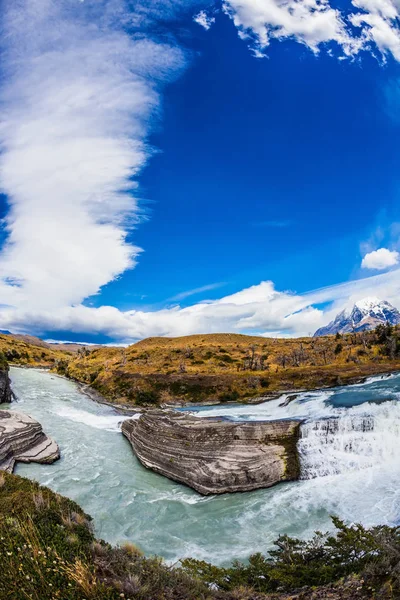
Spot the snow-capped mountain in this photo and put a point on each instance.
(365, 314)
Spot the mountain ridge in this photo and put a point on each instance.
(365, 315)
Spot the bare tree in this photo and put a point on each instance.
(282, 360)
(123, 357)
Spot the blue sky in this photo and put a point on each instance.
(225, 169)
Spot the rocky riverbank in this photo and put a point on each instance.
(215, 456)
(22, 439)
(5, 387)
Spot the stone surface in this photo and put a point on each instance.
(215, 456)
(5, 387)
(22, 439)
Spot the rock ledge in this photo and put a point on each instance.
(215, 456)
(22, 439)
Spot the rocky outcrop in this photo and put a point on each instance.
(215, 456)
(22, 439)
(5, 387)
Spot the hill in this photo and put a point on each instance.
(212, 367)
(230, 367)
(31, 351)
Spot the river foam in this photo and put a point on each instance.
(108, 422)
(348, 451)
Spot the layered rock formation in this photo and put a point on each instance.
(22, 439)
(5, 387)
(215, 456)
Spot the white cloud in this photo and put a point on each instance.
(379, 24)
(369, 24)
(311, 22)
(380, 259)
(203, 19)
(259, 309)
(77, 99)
(199, 290)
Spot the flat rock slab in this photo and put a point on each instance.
(22, 439)
(215, 456)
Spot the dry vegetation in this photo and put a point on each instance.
(49, 552)
(212, 368)
(230, 367)
(33, 352)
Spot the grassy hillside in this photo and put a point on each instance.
(31, 351)
(216, 368)
(49, 552)
(230, 367)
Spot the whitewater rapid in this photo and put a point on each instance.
(349, 467)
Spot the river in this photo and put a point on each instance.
(350, 468)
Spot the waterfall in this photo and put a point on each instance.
(350, 442)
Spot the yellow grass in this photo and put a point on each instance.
(208, 367)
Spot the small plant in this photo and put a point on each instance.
(143, 397)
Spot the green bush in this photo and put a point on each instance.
(373, 554)
(3, 362)
(229, 396)
(146, 397)
(226, 359)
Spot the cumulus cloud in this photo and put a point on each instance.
(380, 259)
(311, 22)
(204, 19)
(258, 309)
(369, 24)
(77, 97)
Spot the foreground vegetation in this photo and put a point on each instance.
(32, 352)
(368, 557)
(215, 367)
(48, 551)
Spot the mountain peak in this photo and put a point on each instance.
(368, 303)
(366, 314)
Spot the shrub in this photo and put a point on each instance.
(3, 362)
(229, 396)
(264, 382)
(226, 359)
(146, 397)
(338, 348)
(373, 554)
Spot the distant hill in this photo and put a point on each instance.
(365, 315)
(35, 341)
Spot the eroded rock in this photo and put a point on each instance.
(22, 439)
(5, 386)
(215, 456)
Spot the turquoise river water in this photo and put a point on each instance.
(349, 448)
